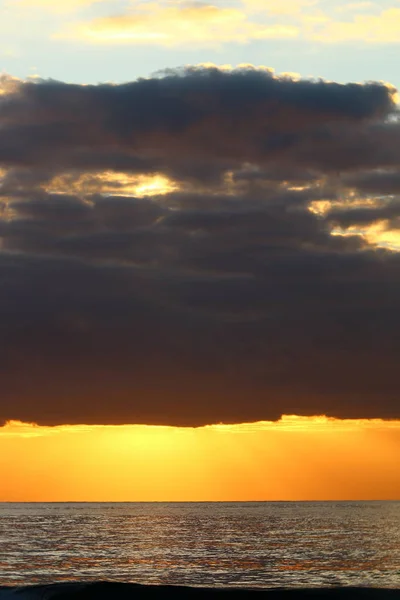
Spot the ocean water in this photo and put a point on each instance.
(260, 544)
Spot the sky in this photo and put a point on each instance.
(295, 458)
(199, 249)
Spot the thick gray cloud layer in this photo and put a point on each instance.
(226, 299)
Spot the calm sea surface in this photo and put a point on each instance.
(266, 544)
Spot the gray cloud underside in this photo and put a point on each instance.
(224, 300)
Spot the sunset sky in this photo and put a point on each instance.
(199, 250)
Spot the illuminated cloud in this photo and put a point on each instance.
(174, 25)
(59, 6)
(287, 8)
(354, 6)
(8, 84)
(199, 247)
(382, 28)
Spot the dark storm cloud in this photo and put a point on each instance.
(227, 299)
(375, 182)
(389, 211)
(191, 123)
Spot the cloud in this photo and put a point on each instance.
(380, 181)
(355, 6)
(287, 8)
(382, 28)
(174, 25)
(148, 125)
(162, 260)
(61, 6)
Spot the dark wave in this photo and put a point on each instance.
(130, 591)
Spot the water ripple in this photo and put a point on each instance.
(212, 544)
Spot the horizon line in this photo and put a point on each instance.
(194, 501)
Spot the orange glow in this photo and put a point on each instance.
(112, 183)
(297, 458)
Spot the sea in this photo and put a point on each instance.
(217, 544)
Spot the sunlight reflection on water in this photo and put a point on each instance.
(214, 544)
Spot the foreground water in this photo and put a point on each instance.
(277, 544)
